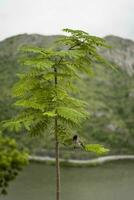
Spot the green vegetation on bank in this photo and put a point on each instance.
(12, 160)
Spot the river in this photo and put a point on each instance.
(111, 181)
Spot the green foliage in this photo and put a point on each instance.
(12, 160)
(96, 148)
(45, 90)
(71, 115)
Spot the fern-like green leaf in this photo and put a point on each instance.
(96, 148)
(12, 125)
(71, 114)
(50, 114)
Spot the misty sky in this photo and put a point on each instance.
(99, 17)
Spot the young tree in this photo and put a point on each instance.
(45, 90)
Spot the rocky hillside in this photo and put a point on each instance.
(121, 53)
(110, 93)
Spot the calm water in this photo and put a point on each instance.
(113, 181)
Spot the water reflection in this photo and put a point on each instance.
(113, 181)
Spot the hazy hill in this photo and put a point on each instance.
(122, 53)
(110, 94)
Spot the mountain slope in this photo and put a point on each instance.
(110, 93)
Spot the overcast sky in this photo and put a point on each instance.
(99, 17)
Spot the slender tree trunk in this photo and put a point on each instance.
(57, 163)
(57, 149)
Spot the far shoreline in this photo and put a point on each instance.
(81, 163)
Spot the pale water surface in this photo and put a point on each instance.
(113, 181)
